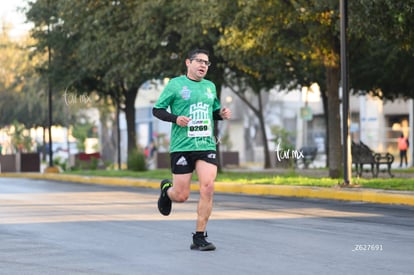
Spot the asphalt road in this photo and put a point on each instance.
(49, 227)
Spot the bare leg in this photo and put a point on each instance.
(206, 173)
(180, 191)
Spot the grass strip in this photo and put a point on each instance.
(255, 177)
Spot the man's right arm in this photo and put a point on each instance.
(162, 114)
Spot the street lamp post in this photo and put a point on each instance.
(118, 133)
(345, 92)
(49, 95)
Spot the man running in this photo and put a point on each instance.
(193, 107)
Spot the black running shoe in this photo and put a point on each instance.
(200, 243)
(164, 202)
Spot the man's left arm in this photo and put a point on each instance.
(221, 114)
(216, 115)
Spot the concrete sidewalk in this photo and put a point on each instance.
(334, 193)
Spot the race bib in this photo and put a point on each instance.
(199, 128)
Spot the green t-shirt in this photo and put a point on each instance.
(197, 100)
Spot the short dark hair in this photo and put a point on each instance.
(194, 52)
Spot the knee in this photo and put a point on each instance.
(182, 197)
(207, 189)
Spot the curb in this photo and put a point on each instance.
(334, 193)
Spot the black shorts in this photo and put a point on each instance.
(184, 162)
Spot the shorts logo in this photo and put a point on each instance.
(182, 161)
(211, 156)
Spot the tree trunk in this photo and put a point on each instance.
(130, 118)
(44, 152)
(334, 122)
(259, 114)
(267, 162)
(325, 112)
(108, 142)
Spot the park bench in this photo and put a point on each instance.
(363, 155)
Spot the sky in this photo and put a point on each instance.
(9, 13)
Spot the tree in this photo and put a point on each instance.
(114, 47)
(12, 66)
(291, 44)
(383, 69)
(384, 20)
(382, 53)
(240, 84)
(22, 91)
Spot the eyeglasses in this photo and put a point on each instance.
(201, 61)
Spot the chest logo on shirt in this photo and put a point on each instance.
(185, 93)
(199, 111)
